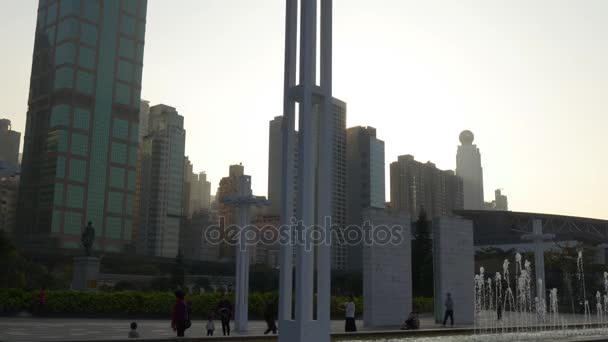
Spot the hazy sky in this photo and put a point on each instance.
(528, 77)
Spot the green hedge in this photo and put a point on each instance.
(151, 303)
(132, 302)
(423, 304)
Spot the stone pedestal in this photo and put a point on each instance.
(454, 267)
(387, 275)
(85, 273)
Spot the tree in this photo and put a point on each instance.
(422, 257)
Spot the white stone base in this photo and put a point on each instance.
(387, 275)
(85, 273)
(454, 267)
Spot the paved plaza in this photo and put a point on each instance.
(79, 329)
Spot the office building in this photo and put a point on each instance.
(162, 183)
(200, 193)
(468, 167)
(144, 114)
(226, 214)
(9, 143)
(500, 202)
(80, 146)
(365, 180)
(338, 201)
(275, 164)
(416, 185)
(9, 190)
(194, 245)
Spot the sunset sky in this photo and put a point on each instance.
(528, 77)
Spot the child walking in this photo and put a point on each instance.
(210, 326)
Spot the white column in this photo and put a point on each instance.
(313, 174)
(242, 258)
(537, 237)
(539, 258)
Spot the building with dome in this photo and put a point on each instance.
(468, 167)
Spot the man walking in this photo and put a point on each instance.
(449, 310)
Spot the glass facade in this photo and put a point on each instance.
(84, 102)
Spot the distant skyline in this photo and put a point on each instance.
(528, 78)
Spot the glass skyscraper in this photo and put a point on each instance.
(364, 181)
(80, 148)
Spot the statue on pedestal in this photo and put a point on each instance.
(88, 238)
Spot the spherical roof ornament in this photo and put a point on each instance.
(466, 137)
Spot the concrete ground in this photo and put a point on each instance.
(81, 329)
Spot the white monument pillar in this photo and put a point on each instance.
(300, 323)
(242, 201)
(537, 237)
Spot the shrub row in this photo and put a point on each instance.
(148, 303)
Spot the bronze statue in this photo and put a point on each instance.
(87, 238)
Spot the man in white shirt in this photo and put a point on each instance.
(349, 314)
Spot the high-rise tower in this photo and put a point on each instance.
(365, 181)
(161, 198)
(468, 167)
(80, 146)
(9, 143)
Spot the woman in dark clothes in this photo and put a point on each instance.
(180, 314)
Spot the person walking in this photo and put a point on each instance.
(179, 317)
(133, 332)
(349, 315)
(210, 326)
(498, 310)
(42, 302)
(225, 311)
(449, 310)
(269, 317)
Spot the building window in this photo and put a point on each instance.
(56, 225)
(65, 54)
(60, 115)
(64, 78)
(51, 14)
(80, 144)
(132, 156)
(141, 30)
(82, 118)
(91, 10)
(86, 58)
(75, 196)
(69, 7)
(73, 223)
(60, 168)
(113, 227)
(68, 29)
(123, 94)
(115, 200)
(84, 82)
(62, 140)
(126, 48)
(58, 195)
(117, 177)
(131, 180)
(128, 25)
(119, 153)
(134, 133)
(140, 53)
(89, 34)
(78, 170)
(120, 129)
(125, 71)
